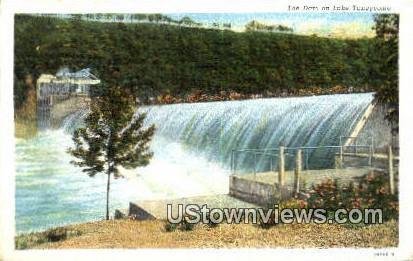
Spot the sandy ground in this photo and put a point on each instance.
(152, 234)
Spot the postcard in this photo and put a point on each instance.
(278, 128)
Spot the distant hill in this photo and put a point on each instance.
(157, 59)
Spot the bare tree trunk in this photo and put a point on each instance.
(107, 193)
(109, 160)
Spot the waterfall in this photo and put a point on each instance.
(214, 129)
(192, 150)
(74, 120)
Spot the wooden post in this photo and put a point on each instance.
(391, 172)
(235, 162)
(355, 146)
(281, 168)
(306, 159)
(271, 167)
(372, 146)
(255, 164)
(341, 157)
(297, 172)
(232, 163)
(370, 155)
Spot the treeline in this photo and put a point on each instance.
(126, 18)
(260, 27)
(159, 59)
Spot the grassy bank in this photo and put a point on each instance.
(152, 234)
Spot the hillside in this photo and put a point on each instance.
(157, 59)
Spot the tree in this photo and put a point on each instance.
(113, 136)
(386, 70)
(260, 27)
(120, 17)
(187, 21)
(153, 59)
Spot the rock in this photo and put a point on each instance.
(119, 214)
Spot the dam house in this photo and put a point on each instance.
(61, 95)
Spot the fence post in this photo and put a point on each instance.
(271, 167)
(341, 156)
(390, 168)
(372, 146)
(355, 146)
(306, 159)
(370, 155)
(232, 163)
(297, 172)
(235, 161)
(255, 164)
(281, 171)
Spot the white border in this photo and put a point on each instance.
(10, 7)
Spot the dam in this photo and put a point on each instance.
(334, 132)
(193, 158)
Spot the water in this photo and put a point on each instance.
(192, 149)
(52, 192)
(213, 130)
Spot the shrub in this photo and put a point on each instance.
(30, 240)
(331, 196)
(20, 243)
(56, 234)
(213, 224)
(170, 227)
(184, 225)
(372, 192)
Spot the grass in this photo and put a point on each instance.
(154, 234)
(51, 235)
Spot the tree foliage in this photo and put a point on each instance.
(257, 26)
(152, 59)
(386, 66)
(113, 136)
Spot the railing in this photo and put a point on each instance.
(262, 160)
(281, 152)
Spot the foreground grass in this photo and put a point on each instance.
(152, 234)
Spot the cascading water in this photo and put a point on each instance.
(74, 120)
(192, 150)
(213, 130)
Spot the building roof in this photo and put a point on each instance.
(83, 76)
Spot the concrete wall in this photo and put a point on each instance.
(256, 192)
(377, 127)
(379, 161)
(250, 191)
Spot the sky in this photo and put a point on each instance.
(348, 25)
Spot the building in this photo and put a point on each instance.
(59, 88)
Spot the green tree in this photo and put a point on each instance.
(113, 136)
(386, 69)
(154, 59)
